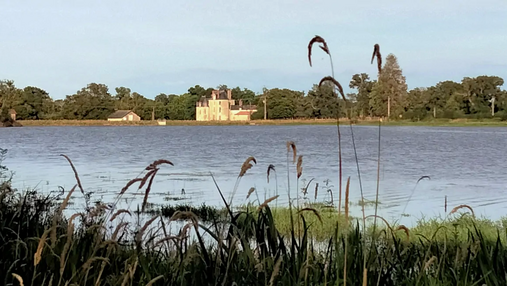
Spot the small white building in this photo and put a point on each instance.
(124, 115)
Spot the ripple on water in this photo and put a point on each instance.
(465, 164)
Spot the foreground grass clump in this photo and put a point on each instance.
(94, 247)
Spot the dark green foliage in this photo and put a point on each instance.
(204, 213)
(470, 98)
(91, 102)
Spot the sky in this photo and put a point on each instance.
(155, 47)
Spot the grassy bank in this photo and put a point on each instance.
(436, 122)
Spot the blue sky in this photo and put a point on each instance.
(168, 46)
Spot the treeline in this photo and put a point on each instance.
(385, 96)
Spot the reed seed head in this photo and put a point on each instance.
(324, 47)
(147, 191)
(247, 165)
(154, 165)
(66, 201)
(314, 211)
(292, 146)
(266, 202)
(139, 235)
(119, 212)
(376, 53)
(405, 229)
(252, 189)
(118, 228)
(130, 183)
(299, 166)
(462, 206)
(75, 173)
(336, 83)
(89, 262)
(381, 218)
(40, 247)
(271, 168)
(146, 177)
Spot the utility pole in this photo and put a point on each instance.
(388, 107)
(265, 104)
(493, 106)
(153, 114)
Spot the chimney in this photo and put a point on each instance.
(241, 102)
(229, 94)
(214, 94)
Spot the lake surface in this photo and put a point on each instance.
(468, 165)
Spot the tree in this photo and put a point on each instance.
(245, 95)
(34, 103)
(388, 96)
(282, 103)
(417, 104)
(479, 92)
(10, 96)
(91, 102)
(122, 98)
(324, 101)
(443, 97)
(364, 86)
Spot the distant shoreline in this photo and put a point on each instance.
(435, 123)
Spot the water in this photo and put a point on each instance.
(468, 165)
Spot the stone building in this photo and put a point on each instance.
(221, 107)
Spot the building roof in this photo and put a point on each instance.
(243, 112)
(243, 107)
(222, 94)
(120, 113)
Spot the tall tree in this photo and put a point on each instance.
(388, 96)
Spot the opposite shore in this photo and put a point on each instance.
(436, 123)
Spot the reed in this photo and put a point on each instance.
(455, 209)
(266, 202)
